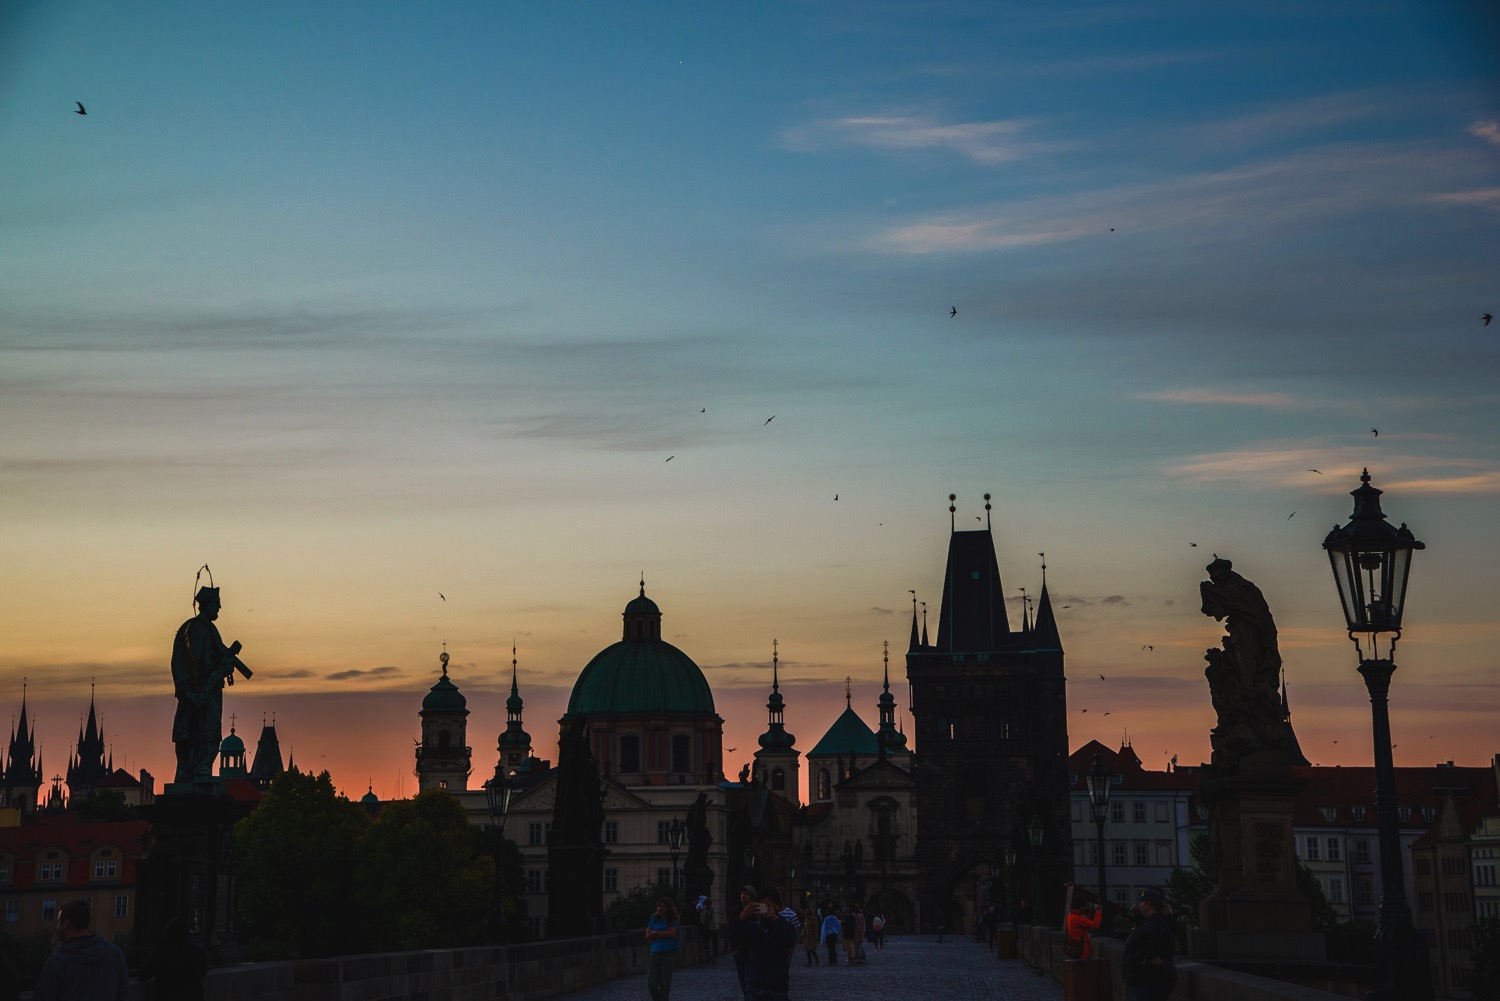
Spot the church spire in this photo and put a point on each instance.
(776, 738)
(915, 640)
(889, 738)
(514, 744)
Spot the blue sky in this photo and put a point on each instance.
(364, 302)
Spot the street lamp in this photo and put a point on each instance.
(674, 842)
(497, 793)
(1371, 561)
(1010, 881)
(1100, 782)
(1034, 833)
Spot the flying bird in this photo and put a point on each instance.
(671, 457)
(952, 312)
(83, 111)
(731, 749)
(1108, 713)
(1375, 432)
(703, 411)
(1194, 545)
(1083, 710)
(835, 496)
(769, 420)
(1483, 316)
(440, 595)
(1291, 516)
(1101, 677)
(1318, 471)
(1148, 646)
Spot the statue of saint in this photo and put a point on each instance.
(578, 813)
(201, 665)
(697, 832)
(1242, 674)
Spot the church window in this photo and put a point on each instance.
(682, 752)
(824, 790)
(611, 832)
(778, 779)
(630, 753)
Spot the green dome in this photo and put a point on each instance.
(369, 799)
(642, 605)
(444, 697)
(232, 744)
(641, 676)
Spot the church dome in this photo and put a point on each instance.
(444, 696)
(232, 744)
(641, 674)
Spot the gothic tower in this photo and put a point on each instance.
(777, 757)
(991, 736)
(443, 756)
(23, 768)
(87, 767)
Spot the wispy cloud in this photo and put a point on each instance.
(1274, 401)
(1487, 197)
(1486, 129)
(1317, 114)
(356, 674)
(1283, 466)
(987, 142)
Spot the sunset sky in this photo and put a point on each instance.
(363, 303)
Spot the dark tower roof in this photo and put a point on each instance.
(776, 738)
(515, 737)
(87, 768)
(267, 763)
(890, 739)
(848, 735)
(1044, 635)
(23, 763)
(973, 613)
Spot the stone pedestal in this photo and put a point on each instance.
(575, 891)
(1255, 911)
(1086, 980)
(188, 873)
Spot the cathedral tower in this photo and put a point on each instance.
(777, 757)
(443, 756)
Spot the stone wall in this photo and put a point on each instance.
(530, 971)
(1041, 948)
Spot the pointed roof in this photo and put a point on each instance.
(889, 739)
(1044, 634)
(848, 735)
(973, 617)
(267, 764)
(514, 737)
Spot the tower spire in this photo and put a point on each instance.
(912, 645)
(987, 526)
(952, 512)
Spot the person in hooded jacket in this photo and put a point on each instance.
(85, 967)
(1147, 966)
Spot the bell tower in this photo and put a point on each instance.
(443, 755)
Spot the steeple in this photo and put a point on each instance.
(267, 764)
(890, 739)
(514, 744)
(915, 641)
(1044, 635)
(776, 737)
(86, 766)
(23, 772)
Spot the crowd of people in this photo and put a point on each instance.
(765, 933)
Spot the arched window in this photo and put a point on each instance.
(824, 789)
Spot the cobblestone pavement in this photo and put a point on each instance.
(909, 967)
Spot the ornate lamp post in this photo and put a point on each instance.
(1100, 783)
(1371, 561)
(497, 793)
(674, 842)
(1035, 833)
(1010, 880)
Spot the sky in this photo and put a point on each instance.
(444, 324)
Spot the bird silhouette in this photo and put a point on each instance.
(1375, 432)
(1291, 516)
(1193, 545)
(440, 595)
(952, 312)
(1483, 316)
(83, 111)
(671, 457)
(731, 750)
(1148, 646)
(1106, 714)
(1067, 606)
(1101, 677)
(703, 411)
(769, 420)
(1083, 710)
(1318, 471)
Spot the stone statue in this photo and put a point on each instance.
(578, 813)
(201, 666)
(1242, 674)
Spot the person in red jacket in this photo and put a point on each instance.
(1084, 917)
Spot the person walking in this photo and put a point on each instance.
(766, 939)
(877, 930)
(859, 934)
(1147, 966)
(85, 967)
(709, 921)
(810, 928)
(831, 930)
(661, 932)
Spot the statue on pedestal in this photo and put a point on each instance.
(575, 853)
(1242, 674)
(201, 666)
